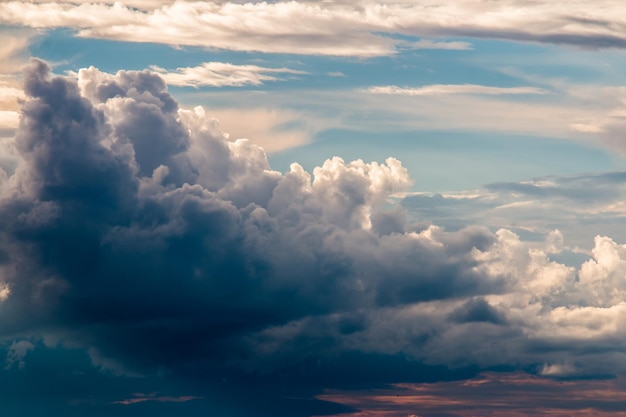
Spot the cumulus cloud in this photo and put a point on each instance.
(210, 212)
(138, 233)
(329, 28)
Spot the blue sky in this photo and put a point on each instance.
(312, 208)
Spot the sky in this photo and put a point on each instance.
(312, 208)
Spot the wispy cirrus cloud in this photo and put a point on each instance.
(221, 74)
(440, 89)
(341, 29)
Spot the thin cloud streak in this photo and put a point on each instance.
(140, 398)
(220, 74)
(439, 89)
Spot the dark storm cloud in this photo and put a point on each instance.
(135, 232)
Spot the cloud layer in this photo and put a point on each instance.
(490, 394)
(333, 28)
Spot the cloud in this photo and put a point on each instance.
(582, 206)
(489, 394)
(605, 120)
(10, 96)
(138, 234)
(139, 4)
(139, 398)
(526, 113)
(165, 180)
(9, 120)
(14, 49)
(17, 352)
(219, 74)
(13, 56)
(340, 29)
(274, 129)
(429, 44)
(438, 89)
